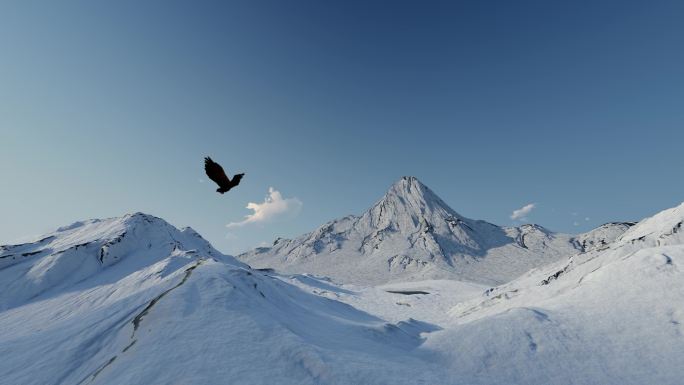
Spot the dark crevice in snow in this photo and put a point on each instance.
(38, 242)
(407, 292)
(129, 346)
(674, 230)
(554, 276)
(586, 275)
(138, 318)
(111, 360)
(531, 343)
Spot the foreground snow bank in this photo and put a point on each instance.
(607, 316)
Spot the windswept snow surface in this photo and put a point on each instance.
(133, 300)
(608, 316)
(411, 234)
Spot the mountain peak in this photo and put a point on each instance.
(408, 183)
(409, 196)
(409, 179)
(409, 186)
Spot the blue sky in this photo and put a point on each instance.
(109, 107)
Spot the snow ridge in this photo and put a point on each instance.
(133, 300)
(76, 252)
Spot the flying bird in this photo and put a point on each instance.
(215, 172)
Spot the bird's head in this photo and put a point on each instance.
(238, 177)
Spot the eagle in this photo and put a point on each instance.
(215, 172)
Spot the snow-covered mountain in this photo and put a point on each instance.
(133, 300)
(94, 248)
(411, 234)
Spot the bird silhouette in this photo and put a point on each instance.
(215, 172)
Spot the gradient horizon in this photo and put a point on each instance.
(110, 108)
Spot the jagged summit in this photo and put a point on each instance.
(409, 206)
(406, 203)
(414, 194)
(410, 186)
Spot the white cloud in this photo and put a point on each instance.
(522, 212)
(273, 207)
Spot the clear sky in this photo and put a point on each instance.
(109, 107)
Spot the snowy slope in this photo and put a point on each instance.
(602, 236)
(133, 300)
(610, 315)
(411, 234)
(74, 253)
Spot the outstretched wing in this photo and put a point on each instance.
(236, 179)
(215, 172)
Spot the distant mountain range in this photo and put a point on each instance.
(411, 234)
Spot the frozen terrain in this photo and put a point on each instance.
(610, 315)
(133, 300)
(411, 234)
